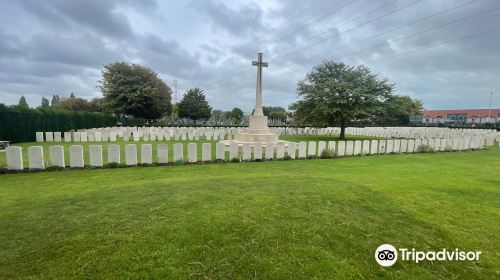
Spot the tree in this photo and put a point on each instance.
(55, 99)
(275, 113)
(194, 106)
(334, 93)
(236, 115)
(45, 103)
(397, 110)
(22, 103)
(132, 89)
(74, 103)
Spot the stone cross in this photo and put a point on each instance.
(258, 91)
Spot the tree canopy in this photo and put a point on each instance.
(135, 90)
(23, 103)
(275, 112)
(45, 103)
(334, 93)
(194, 106)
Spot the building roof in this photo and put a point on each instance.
(483, 113)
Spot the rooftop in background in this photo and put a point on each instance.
(478, 113)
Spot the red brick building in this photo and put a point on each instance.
(465, 116)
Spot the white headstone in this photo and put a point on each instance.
(112, 136)
(146, 154)
(57, 137)
(14, 157)
(366, 147)
(280, 150)
(35, 157)
(67, 136)
(321, 147)
(178, 152)
(192, 152)
(49, 137)
(76, 156)
(95, 155)
(114, 153)
(257, 151)
(233, 151)
(291, 150)
(341, 148)
(247, 152)
(302, 150)
(396, 146)
(131, 154)
(162, 153)
(374, 147)
(357, 147)
(382, 147)
(39, 137)
(137, 138)
(206, 152)
(269, 151)
(311, 149)
(220, 150)
(98, 136)
(77, 136)
(91, 136)
(349, 148)
(390, 146)
(56, 156)
(83, 136)
(411, 146)
(332, 146)
(404, 146)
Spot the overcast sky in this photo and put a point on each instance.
(441, 51)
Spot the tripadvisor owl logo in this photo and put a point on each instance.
(386, 255)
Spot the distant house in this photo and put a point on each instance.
(458, 117)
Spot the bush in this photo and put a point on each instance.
(328, 153)
(287, 157)
(235, 159)
(179, 162)
(21, 124)
(112, 165)
(425, 148)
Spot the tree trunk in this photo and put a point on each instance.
(342, 129)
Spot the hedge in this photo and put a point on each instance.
(20, 124)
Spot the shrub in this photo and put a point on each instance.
(287, 157)
(448, 148)
(21, 124)
(328, 153)
(112, 165)
(425, 148)
(235, 159)
(179, 162)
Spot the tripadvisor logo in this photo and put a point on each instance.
(387, 255)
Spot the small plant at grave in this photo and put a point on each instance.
(287, 157)
(219, 161)
(448, 148)
(311, 157)
(146, 164)
(179, 162)
(54, 168)
(425, 148)
(113, 165)
(327, 153)
(235, 159)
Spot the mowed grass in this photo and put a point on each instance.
(302, 219)
(86, 152)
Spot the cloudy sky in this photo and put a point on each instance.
(441, 51)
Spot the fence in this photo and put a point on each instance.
(217, 152)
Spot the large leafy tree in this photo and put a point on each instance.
(194, 106)
(236, 115)
(55, 99)
(397, 110)
(132, 89)
(334, 93)
(275, 112)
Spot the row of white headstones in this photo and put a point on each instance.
(220, 133)
(246, 152)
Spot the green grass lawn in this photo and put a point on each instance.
(122, 144)
(302, 219)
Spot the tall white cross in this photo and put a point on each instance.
(258, 91)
